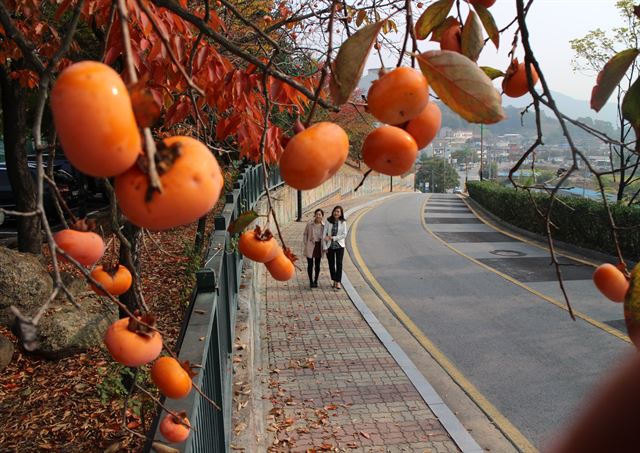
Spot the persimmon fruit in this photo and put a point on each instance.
(94, 119)
(398, 96)
(258, 246)
(85, 247)
(485, 3)
(173, 428)
(424, 127)
(451, 38)
(514, 83)
(281, 268)
(314, 155)
(191, 184)
(611, 282)
(116, 282)
(131, 344)
(171, 378)
(389, 150)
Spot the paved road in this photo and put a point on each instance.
(490, 312)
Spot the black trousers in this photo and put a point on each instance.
(311, 263)
(334, 256)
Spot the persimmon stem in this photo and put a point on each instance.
(263, 141)
(149, 144)
(159, 403)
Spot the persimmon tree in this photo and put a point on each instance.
(245, 80)
(592, 52)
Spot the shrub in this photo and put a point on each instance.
(579, 221)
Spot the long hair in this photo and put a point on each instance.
(332, 219)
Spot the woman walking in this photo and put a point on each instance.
(312, 240)
(335, 233)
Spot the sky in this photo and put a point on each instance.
(552, 24)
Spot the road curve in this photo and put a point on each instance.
(485, 302)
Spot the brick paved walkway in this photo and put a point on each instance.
(332, 384)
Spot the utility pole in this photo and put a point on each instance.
(481, 152)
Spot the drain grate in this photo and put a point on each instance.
(507, 253)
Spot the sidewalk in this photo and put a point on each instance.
(333, 385)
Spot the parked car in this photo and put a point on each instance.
(66, 177)
(457, 190)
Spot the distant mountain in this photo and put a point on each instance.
(572, 107)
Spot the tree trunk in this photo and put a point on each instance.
(132, 233)
(200, 232)
(24, 189)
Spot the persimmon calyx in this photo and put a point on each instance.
(261, 235)
(83, 225)
(180, 418)
(289, 254)
(136, 325)
(298, 126)
(186, 365)
(165, 157)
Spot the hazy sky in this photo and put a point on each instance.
(552, 24)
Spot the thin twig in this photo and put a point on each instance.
(325, 68)
(364, 177)
(263, 141)
(149, 144)
(159, 403)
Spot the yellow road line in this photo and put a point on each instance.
(502, 423)
(490, 224)
(600, 325)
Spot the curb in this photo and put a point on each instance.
(447, 418)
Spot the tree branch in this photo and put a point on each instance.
(234, 49)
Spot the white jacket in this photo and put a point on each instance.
(339, 238)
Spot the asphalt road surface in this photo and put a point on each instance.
(491, 305)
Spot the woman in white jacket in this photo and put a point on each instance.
(335, 233)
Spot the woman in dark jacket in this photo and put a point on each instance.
(335, 233)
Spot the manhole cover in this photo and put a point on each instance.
(507, 253)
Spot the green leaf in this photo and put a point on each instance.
(433, 16)
(488, 23)
(243, 221)
(347, 68)
(610, 76)
(631, 105)
(472, 40)
(492, 73)
(462, 86)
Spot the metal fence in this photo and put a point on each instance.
(208, 328)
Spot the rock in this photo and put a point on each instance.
(6, 352)
(24, 282)
(75, 285)
(66, 330)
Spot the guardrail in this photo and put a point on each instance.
(208, 328)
